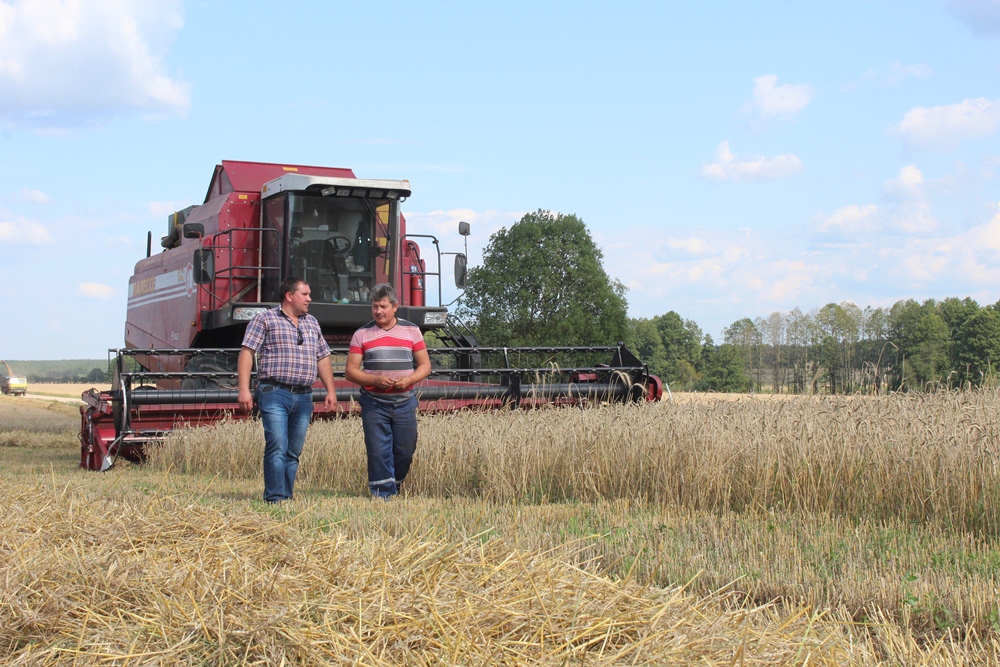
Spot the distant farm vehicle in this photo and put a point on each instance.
(222, 263)
(11, 384)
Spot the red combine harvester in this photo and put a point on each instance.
(222, 263)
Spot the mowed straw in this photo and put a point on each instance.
(156, 580)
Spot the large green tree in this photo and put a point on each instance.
(542, 283)
(924, 341)
(681, 349)
(645, 342)
(744, 336)
(723, 368)
(976, 347)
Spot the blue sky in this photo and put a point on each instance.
(731, 159)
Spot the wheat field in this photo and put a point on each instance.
(912, 457)
(825, 531)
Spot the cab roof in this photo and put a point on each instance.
(250, 177)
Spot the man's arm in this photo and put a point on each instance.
(423, 369)
(326, 377)
(244, 366)
(354, 373)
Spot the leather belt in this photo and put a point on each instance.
(294, 388)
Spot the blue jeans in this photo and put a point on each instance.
(286, 417)
(390, 440)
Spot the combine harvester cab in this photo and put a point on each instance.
(222, 263)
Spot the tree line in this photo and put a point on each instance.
(95, 375)
(61, 370)
(839, 348)
(542, 282)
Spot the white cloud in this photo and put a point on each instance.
(740, 276)
(727, 167)
(788, 280)
(970, 259)
(912, 214)
(691, 246)
(772, 101)
(896, 73)
(34, 196)
(161, 209)
(444, 226)
(912, 217)
(981, 16)
(908, 185)
(95, 291)
(944, 127)
(24, 232)
(69, 62)
(921, 261)
(986, 237)
(119, 241)
(850, 221)
(655, 268)
(908, 212)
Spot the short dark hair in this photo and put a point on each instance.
(384, 291)
(290, 284)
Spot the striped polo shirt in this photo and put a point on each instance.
(388, 352)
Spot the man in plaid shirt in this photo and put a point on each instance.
(292, 353)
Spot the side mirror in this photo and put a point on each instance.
(461, 271)
(193, 230)
(464, 228)
(204, 266)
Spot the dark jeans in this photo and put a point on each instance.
(390, 440)
(286, 417)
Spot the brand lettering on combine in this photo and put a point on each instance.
(140, 287)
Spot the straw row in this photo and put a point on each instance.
(157, 580)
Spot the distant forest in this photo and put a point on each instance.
(839, 348)
(59, 370)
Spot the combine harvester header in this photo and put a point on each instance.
(222, 262)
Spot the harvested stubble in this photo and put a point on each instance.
(97, 576)
(877, 506)
(65, 389)
(28, 423)
(908, 457)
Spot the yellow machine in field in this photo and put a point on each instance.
(12, 384)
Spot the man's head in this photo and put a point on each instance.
(384, 304)
(295, 295)
(384, 291)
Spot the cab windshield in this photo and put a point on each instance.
(329, 245)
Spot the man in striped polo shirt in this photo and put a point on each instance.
(394, 358)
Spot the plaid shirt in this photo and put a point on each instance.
(281, 357)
